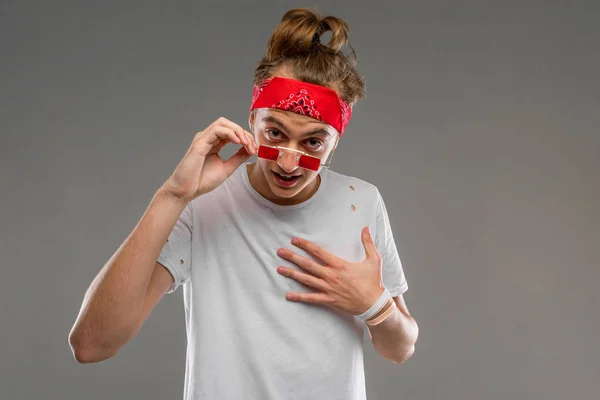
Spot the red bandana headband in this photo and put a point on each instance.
(304, 98)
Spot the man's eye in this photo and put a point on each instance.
(314, 144)
(273, 133)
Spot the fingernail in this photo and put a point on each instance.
(281, 252)
(295, 241)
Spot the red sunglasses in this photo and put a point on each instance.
(302, 159)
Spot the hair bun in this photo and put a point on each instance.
(339, 32)
(295, 50)
(300, 32)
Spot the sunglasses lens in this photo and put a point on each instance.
(308, 162)
(268, 153)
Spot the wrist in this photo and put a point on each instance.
(384, 313)
(373, 297)
(376, 305)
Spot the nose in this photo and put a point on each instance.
(287, 161)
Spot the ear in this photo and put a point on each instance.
(251, 121)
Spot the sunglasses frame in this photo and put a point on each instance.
(299, 154)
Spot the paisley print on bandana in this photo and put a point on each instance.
(300, 103)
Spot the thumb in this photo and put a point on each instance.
(367, 240)
(236, 160)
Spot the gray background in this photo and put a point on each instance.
(480, 129)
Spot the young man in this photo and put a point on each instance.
(282, 261)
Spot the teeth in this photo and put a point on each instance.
(288, 177)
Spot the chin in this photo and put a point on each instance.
(285, 194)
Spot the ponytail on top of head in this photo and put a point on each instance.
(295, 50)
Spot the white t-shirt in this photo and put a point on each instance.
(244, 339)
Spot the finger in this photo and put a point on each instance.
(252, 140)
(212, 139)
(222, 132)
(240, 132)
(236, 160)
(246, 139)
(229, 124)
(314, 298)
(303, 262)
(316, 251)
(367, 240)
(303, 278)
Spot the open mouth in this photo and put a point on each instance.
(284, 180)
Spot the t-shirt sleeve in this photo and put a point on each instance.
(394, 279)
(176, 254)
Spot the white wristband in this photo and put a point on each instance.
(378, 304)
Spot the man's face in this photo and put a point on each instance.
(273, 127)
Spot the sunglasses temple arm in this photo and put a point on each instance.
(328, 161)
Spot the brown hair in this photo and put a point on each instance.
(295, 49)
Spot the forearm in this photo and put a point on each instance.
(113, 303)
(395, 337)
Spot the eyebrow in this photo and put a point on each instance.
(282, 126)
